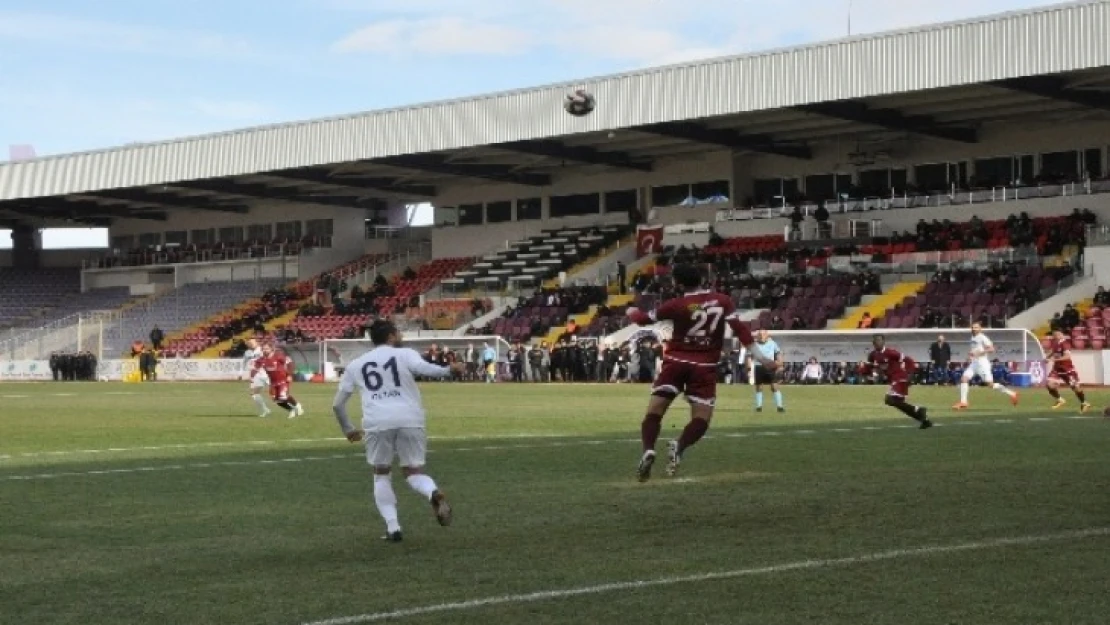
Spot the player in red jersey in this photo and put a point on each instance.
(898, 368)
(1061, 372)
(279, 368)
(689, 363)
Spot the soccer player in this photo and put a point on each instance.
(259, 379)
(897, 367)
(1062, 373)
(764, 375)
(279, 369)
(392, 419)
(689, 363)
(979, 363)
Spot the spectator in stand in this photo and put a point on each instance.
(865, 322)
(1102, 298)
(156, 337)
(1070, 317)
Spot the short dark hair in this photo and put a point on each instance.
(381, 330)
(687, 276)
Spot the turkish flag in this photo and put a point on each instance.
(649, 240)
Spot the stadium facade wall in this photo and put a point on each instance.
(1098, 258)
(56, 258)
(906, 218)
(190, 273)
(348, 224)
(1045, 40)
(464, 241)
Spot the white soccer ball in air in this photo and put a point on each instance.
(580, 103)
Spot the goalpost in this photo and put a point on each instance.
(1013, 345)
(336, 353)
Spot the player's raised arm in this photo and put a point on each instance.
(743, 333)
(418, 366)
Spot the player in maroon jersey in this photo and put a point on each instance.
(279, 368)
(689, 363)
(898, 368)
(1061, 372)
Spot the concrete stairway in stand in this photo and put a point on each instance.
(877, 305)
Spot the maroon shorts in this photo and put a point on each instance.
(899, 388)
(697, 382)
(1067, 376)
(279, 391)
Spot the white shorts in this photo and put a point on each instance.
(408, 445)
(260, 380)
(979, 367)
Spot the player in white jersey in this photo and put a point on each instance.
(392, 419)
(259, 381)
(979, 364)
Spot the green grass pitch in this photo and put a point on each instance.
(172, 503)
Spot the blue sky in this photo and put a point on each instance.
(79, 75)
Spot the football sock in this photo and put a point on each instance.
(759, 399)
(386, 500)
(964, 387)
(260, 402)
(285, 405)
(692, 433)
(904, 407)
(1054, 393)
(649, 430)
(1002, 389)
(778, 399)
(292, 401)
(422, 484)
(1081, 395)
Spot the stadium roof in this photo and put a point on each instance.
(944, 80)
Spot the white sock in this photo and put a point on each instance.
(964, 388)
(386, 500)
(422, 484)
(1002, 389)
(261, 403)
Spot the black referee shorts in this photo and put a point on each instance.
(763, 375)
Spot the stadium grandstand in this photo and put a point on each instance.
(922, 178)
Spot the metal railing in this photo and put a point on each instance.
(79, 332)
(168, 255)
(952, 197)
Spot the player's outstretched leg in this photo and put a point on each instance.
(917, 413)
(260, 401)
(965, 388)
(1084, 405)
(700, 415)
(426, 486)
(386, 501)
(1054, 392)
(661, 397)
(1001, 388)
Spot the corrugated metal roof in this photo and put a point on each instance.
(1059, 38)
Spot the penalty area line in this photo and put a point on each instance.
(774, 569)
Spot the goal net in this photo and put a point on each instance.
(1012, 345)
(337, 353)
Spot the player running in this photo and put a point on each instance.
(767, 346)
(258, 379)
(279, 369)
(897, 367)
(979, 363)
(392, 419)
(1062, 373)
(689, 363)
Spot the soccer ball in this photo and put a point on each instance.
(580, 103)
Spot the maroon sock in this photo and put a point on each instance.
(692, 433)
(1054, 393)
(649, 430)
(292, 401)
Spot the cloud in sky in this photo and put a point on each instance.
(632, 32)
(77, 75)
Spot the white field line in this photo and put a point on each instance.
(774, 569)
(546, 444)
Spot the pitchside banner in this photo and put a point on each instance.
(25, 370)
(177, 369)
(649, 240)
